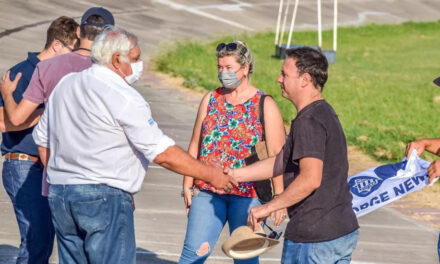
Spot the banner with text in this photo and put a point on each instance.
(378, 186)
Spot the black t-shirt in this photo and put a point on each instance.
(326, 213)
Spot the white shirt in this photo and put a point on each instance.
(99, 130)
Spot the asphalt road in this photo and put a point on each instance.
(386, 235)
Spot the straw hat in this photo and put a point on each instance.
(244, 243)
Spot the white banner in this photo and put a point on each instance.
(378, 186)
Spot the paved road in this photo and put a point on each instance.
(386, 236)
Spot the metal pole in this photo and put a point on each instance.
(319, 24)
(284, 23)
(292, 23)
(335, 24)
(280, 10)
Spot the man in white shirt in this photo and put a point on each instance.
(97, 137)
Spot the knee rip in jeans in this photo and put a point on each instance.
(203, 250)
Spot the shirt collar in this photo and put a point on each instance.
(111, 74)
(32, 58)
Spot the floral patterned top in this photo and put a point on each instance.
(228, 134)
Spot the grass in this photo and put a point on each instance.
(381, 86)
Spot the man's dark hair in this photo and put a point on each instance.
(90, 31)
(310, 61)
(62, 29)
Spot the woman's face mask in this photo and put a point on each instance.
(229, 80)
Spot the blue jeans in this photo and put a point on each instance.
(338, 250)
(93, 223)
(207, 216)
(22, 182)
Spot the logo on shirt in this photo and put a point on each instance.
(364, 185)
(151, 121)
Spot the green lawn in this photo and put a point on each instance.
(381, 86)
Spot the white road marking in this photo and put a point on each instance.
(198, 12)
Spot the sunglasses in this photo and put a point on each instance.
(66, 45)
(273, 234)
(229, 47)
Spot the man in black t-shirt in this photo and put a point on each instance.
(323, 227)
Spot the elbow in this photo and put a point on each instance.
(315, 184)
(16, 121)
(3, 127)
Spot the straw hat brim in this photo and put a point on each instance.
(244, 243)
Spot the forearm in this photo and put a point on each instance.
(9, 104)
(177, 160)
(257, 171)
(278, 184)
(188, 182)
(30, 122)
(44, 155)
(432, 145)
(297, 191)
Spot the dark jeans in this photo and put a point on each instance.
(93, 223)
(22, 182)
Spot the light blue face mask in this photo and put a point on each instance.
(229, 80)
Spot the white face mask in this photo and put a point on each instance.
(136, 68)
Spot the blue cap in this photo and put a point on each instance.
(437, 81)
(98, 11)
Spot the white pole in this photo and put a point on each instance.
(319, 24)
(292, 23)
(335, 25)
(284, 23)
(280, 10)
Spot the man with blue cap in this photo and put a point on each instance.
(49, 72)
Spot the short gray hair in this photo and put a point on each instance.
(111, 41)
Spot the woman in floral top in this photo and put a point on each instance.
(226, 129)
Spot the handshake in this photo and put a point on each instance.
(223, 180)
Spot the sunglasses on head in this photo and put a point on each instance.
(229, 47)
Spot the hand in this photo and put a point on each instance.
(434, 170)
(256, 216)
(417, 145)
(279, 216)
(231, 173)
(187, 199)
(7, 86)
(221, 181)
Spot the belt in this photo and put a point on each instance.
(20, 156)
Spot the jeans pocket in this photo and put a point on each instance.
(92, 216)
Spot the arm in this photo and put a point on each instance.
(260, 170)
(44, 155)
(431, 145)
(307, 181)
(17, 113)
(193, 149)
(275, 139)
(146, 137)
(7, 126)
(177, 160)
